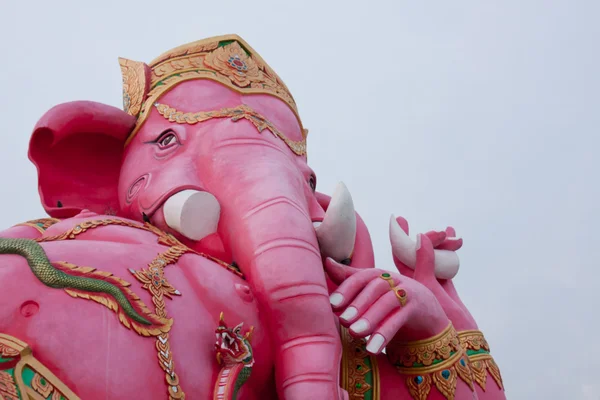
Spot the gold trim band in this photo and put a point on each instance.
(235, 113)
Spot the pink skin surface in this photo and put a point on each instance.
(267, 211)
(87, 347)
(116, 357)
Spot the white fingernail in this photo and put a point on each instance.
(360, 326)
(418, 246)
(336, 299)
(375, 343)
(349, 313)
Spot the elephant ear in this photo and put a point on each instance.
(77, 149)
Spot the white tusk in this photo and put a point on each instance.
(404, 248)
(192, 213)
(337, 232)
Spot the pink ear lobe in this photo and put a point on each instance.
(77, 149)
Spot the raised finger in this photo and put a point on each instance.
(386, 331)
(349, 288)
(375, 314)
(425, 264)
(436, 237)
(369, 295)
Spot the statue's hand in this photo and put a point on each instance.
(387, 305)
(443, 289)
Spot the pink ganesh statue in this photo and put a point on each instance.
(189, 255)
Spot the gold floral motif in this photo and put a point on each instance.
(43, 383)
(6, 351)
(480, 365)
(482, 361)
(135, 85)
(464, 372)
(494, 371)
(42, 386)
(235, 113)
(445, 384)
(419, 390)
(355, 369)
(40, 224)
(154, 280)
(8, 387)
(225, 59)
(479, 373)
(473, 340)
(439, 360)
(425, 352)
(233, 62)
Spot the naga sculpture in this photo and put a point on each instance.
(195, 208)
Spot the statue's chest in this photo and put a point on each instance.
(101, 349)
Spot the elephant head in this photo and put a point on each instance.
(211, 148)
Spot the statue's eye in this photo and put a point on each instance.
(167, 139)
(312, 182)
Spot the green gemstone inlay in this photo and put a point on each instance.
(2, 359)
(385, 275)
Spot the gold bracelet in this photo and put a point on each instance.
(439, 360)
(480, 360)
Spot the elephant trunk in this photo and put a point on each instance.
(268, 228)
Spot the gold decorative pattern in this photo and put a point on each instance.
(44, 382)
(40, 224)
(159, 325)
(134, 85)
(473, 340)
(480, 360)
(235, 113)
(228, 60)
(8, 387)
(464, 372)
(439, 360)
(154, 280)
(445, 383)
(355, 369)
(7, 351)
(425, 352)
(419, 390)
(163, 237)
(41, 385)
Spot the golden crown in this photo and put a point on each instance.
(228, 60)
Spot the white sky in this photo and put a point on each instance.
(480, 115)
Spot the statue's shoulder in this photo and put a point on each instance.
(87, 226)
(105, 228)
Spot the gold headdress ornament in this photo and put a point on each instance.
(228, 60)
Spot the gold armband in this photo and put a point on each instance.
(480, 359)
(439, 360)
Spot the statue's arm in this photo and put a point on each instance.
(485, 372)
